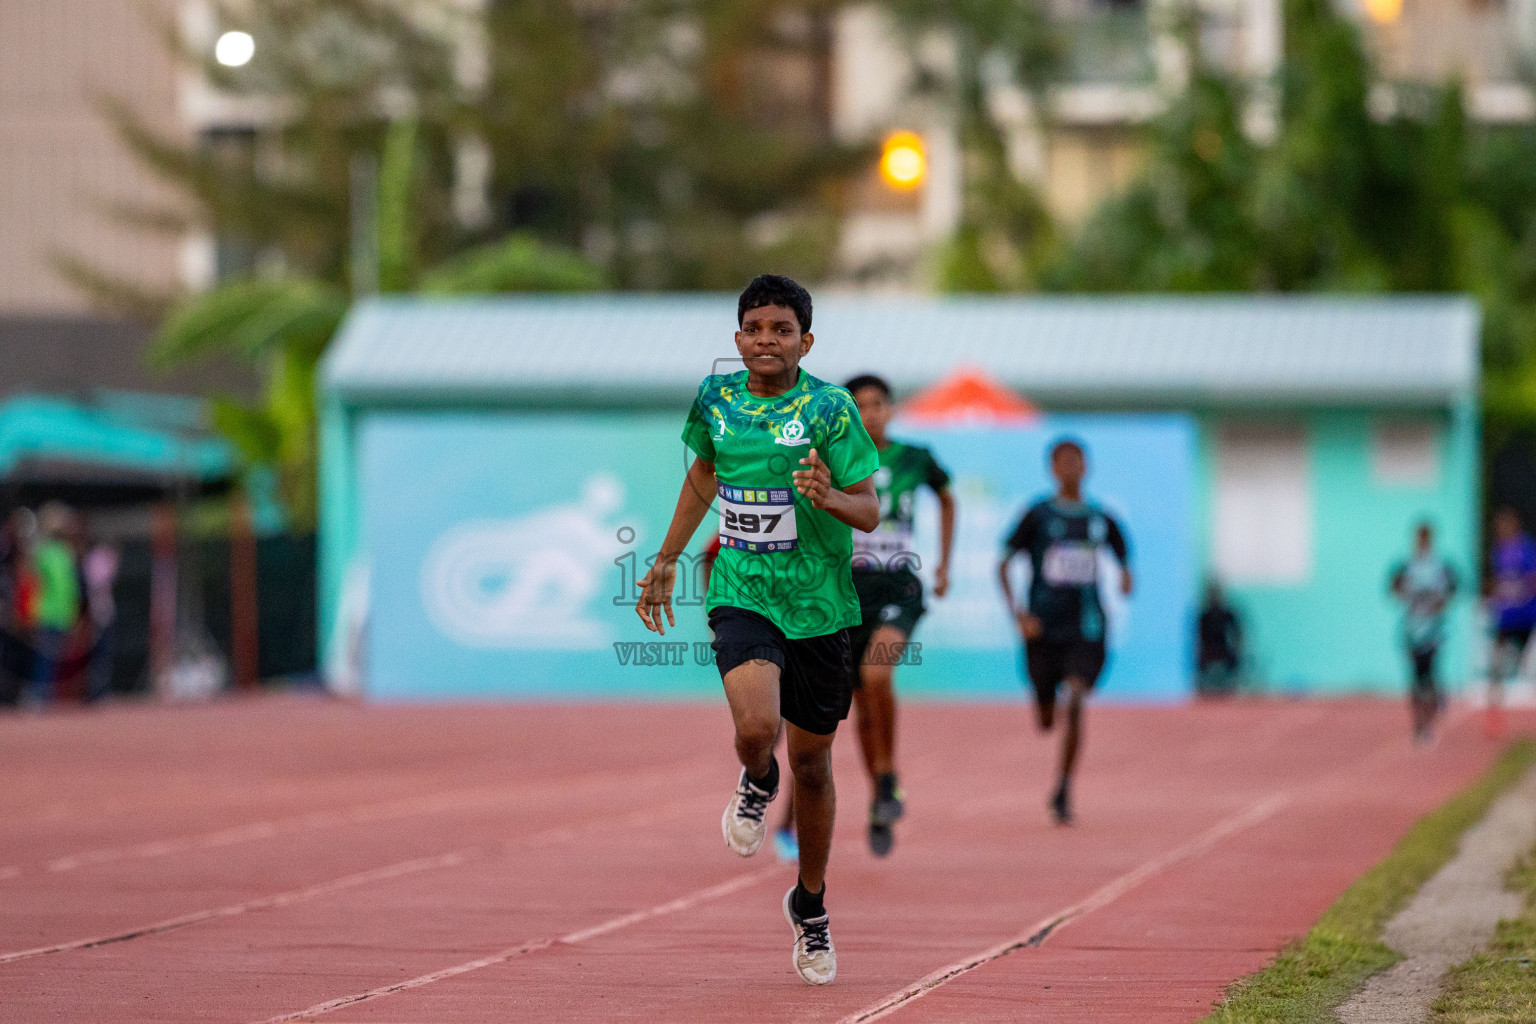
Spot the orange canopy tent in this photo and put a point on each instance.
(969, 397)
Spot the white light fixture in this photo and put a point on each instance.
(234, 49)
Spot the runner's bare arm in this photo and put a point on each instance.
(857, 504)
(656, 586)
(946, 541)
(1029, 626)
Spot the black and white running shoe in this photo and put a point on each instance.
(814, 958)
(745, 823)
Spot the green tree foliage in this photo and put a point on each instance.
(1418, 200)
(682, 143)
(327, 80)
(1185, 225)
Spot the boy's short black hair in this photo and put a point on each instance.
(868, 380)
(1067, 442)
(775, 290)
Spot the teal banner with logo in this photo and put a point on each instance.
(502, 552)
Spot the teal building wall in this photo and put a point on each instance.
(1339, 631)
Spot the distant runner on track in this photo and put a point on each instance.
(890, 596)
(791, 465)
(1425, 584)
(1063, 626)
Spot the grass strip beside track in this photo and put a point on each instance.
(1499, 985)
(1315, 974)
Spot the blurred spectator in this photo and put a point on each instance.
(100, 573)
(1425, 584)
(1219, 645)
(56, 605)
(15, 602)
(1511, 606)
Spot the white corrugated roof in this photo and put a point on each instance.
(619, 349)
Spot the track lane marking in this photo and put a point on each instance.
(1101, 897)
(1116, 888)
(455, 858)
(682, 903)
(432, 803)
(282, 899)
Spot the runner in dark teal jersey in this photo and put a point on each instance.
(1063, 625)
(890, 596)
(790, 464)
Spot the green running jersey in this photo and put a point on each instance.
(779, 556)
(903, 469)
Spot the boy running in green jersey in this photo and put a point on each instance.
(890, 596)
(791, 465)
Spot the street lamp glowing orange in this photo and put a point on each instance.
(903, 161)
(1384, 12)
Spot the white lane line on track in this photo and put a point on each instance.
(682, 903)
(432, 803)
(455, 858)
(1103, 896)
(281, 899)
(1113, 890)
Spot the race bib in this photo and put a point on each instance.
(883, 547)
(757, 519)
(1070, 565)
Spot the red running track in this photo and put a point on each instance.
(299, 859)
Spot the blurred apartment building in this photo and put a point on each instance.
(1121, 64)
(66, 176)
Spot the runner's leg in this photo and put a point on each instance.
(877, 699)
(877, 729)
(867, 712)
(752, 688)
(810, 758)
(1077, 694)
(785, 848)
(1423, 698)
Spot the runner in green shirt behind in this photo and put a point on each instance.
(890, 596)
(791, 465)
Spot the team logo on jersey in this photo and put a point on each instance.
(792, 433)
(719, 424)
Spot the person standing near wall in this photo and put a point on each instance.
(1511, 607)
(1425, 584)
(100, 574)
(15, 604)
(1218, 645)
(56, 606)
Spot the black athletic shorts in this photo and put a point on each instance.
(815, 673)
(1049, 662)
(886, 598)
